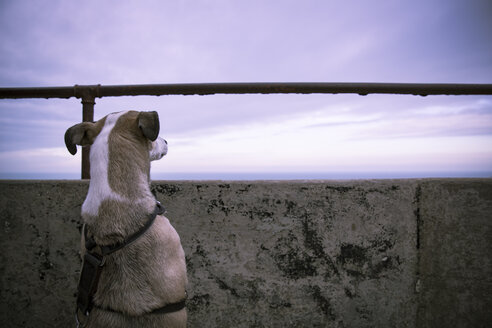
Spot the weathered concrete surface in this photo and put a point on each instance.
(298, 254)
(388, 253)
(455, 243)
(39, 233)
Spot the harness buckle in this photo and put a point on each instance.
(77, 320)
(89, 278)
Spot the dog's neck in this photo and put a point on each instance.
(119, 195)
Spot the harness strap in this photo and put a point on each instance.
(168, 308)
(94, 262)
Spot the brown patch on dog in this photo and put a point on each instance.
(83, 134)
(115, 221)
(128, 154)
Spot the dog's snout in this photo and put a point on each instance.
(159, 149)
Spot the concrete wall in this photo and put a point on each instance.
(387, 253)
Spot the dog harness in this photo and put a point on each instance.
(93, 264)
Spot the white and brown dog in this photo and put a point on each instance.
(140, 279)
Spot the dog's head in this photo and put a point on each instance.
(130, 134)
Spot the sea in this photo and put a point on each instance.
(241, 176)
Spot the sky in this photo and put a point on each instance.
(63, 43)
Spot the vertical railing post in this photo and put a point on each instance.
(88, 94)
(88, 102)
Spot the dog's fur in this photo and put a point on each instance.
(151, 272)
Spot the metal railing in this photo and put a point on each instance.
(88, 93)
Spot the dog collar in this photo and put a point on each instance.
(108, 249)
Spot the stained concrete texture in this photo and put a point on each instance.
(455, 246)
(387, 253)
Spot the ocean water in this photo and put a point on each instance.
(262, 175)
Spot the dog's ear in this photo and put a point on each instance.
(148, 122)
(82, 134)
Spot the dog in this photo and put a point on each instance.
(143, 282)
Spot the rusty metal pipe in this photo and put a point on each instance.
(422, 89)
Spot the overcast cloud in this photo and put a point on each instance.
(62, 43)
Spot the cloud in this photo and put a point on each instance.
(303, 144)
(130, 42)
(445, 119)
(39, 160)
(154, 41)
